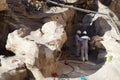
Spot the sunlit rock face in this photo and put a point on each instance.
(12, 68)
(38, 46)
(70, 1)
(3, 5)
(64, 16)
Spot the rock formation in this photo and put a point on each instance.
(114, 6)
(111, 44)
(37, 38)
(15, 70)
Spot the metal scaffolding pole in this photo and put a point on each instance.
(87, 11)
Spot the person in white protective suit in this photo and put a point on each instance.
(84, 48)
(78, 46)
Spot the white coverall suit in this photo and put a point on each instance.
(84, 47)
(77, 44)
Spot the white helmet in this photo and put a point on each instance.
(78, 32)
(37, 1)
(84, 32)
(29, 1)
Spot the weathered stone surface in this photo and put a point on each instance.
(37, 48)
(115, 5)
(99, 23)
(12, 68)
(3, 5)
(53, 35)
(3, 34)
(112, 49)
(64, 17)
(106, 2)
(56, 10)
(110, 30)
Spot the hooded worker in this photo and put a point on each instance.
(84, 48)
(77, 36)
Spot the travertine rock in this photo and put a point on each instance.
(12, 68)
(38, 48)
(52, 35)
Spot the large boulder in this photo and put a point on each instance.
(37, 48)
(4, 31)
(12, 68)
(62, 17)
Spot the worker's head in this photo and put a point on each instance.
(29, 1)
(84, 32)
(78, 32)
(37, 1)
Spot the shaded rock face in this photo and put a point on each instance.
(4, 31)
(106, 2)
(87, 4)
(98, 26)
